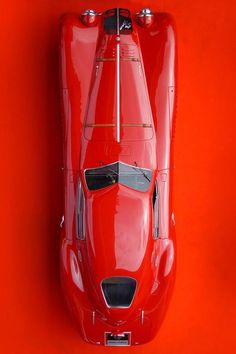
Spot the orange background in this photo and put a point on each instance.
(33, 317)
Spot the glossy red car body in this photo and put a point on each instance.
(118, 97)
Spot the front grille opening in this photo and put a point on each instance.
(110, 21)
(118, 291)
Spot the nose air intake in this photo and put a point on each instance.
(119, 291)
(118, 21)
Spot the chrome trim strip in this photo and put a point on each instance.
(62, 221)
(95, 125)
(121, 59)
(118, 90)
(142, 317)
(118, 75)
(142, 125)
(117, 21)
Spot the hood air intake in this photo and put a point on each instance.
(118, 291)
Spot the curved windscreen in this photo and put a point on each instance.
(128, 175)
(119, 291)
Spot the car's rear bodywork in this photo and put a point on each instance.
(117, 244)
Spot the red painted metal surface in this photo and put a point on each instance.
(118, 220)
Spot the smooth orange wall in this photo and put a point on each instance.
(201, 318)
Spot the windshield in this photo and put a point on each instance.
(131, 176)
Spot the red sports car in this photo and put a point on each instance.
(117, 241)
